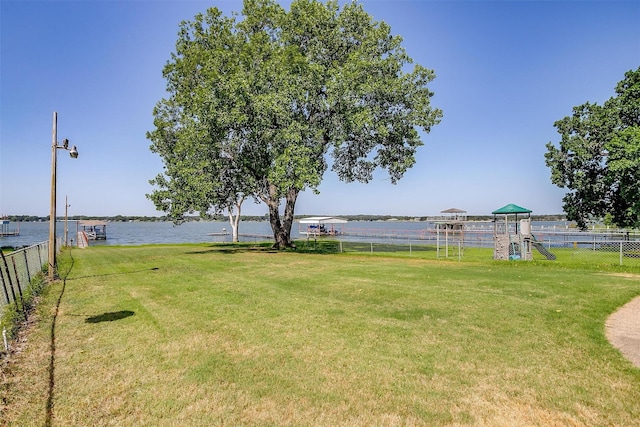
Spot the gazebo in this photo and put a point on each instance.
(451, 224)
(512, 237)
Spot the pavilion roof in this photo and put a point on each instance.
(453, 211)
(322, 220)
(511, 209)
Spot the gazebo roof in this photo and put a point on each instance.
(511, 209)
(453, 210)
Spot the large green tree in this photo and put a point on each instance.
(269, 98)
(598, 158)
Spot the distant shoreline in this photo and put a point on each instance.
(360, 217)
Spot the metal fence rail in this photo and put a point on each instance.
(18, 268)
(621, 252)
(598, 252)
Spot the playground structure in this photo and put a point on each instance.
(513, 240)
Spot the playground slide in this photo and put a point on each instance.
(540, 247)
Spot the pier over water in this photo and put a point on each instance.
(5, 228)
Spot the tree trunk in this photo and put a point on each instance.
(282, 227)
(279, 236)
(289, 209)
(234, 221)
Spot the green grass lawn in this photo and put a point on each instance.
(204, 335)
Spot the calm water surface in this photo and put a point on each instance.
(139, 233)
(135, 233)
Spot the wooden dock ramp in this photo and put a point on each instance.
(83, 240)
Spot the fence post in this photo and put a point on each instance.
(40, 263)
(4, 286)
(26, 262)
(15, 270)
(6, 269)
(371, 247)
(621, 253)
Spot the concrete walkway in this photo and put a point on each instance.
(623, 330)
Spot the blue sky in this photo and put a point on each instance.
(506, 71)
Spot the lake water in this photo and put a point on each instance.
(135, 233)
(138, 233)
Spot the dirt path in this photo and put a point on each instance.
(623, 330)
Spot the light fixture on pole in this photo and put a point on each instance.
(73, 152)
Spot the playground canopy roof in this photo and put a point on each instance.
(323, 220)
(511, 209)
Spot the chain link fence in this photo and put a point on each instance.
(17, 270)
(600, 252)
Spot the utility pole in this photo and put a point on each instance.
(73, 152)
(52, 211)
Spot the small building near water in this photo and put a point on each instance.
(451, 224)
(94, 230)
(5, 229)
(321, 226)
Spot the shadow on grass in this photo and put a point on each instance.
(109, 317)
(299, 246)
(95, 319)
(115, 274)
(234, 248)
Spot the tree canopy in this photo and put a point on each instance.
(598, 158)
(261, 103)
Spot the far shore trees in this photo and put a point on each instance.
(598, 159)
(259, 107)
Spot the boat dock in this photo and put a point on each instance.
(5, 229)
(94, 230)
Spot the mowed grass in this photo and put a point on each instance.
(202, 335)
